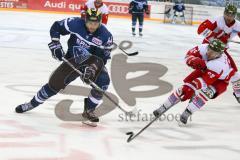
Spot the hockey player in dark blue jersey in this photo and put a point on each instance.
(89, 48)
(178, 11)
(137, 8)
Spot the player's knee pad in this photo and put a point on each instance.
(201, 98)
(103, 82)
(208, 93)
(174, 98)
(196, 103)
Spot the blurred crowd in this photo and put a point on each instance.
(206, 2)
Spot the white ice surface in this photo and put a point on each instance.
(26, 64)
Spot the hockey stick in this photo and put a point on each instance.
(128, 54)
(95, 86)
(234, 41)
(131, 134)
(166, 12)
(159, 13)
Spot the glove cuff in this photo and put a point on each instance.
(55, 39)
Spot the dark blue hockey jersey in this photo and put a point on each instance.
(81, 41)
(138, 6)
(179, 7)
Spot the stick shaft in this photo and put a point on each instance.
(234, 41)
(129, 54)
(92, 84)
(143, 129)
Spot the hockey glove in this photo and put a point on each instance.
(147, 12)
(56, 49)
(196, 63)
(130, 10)
(185, 93)
(89, 74)
(188, 89)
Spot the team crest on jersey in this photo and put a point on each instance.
(97, 41)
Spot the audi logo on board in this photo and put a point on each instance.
(114, 8)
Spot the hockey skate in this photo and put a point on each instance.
(237, 98)
(24, 107)
(184, 117)
(89, 115)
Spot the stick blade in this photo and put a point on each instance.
(132, 54)
(88, 123)
(129, 133)
(130, 136)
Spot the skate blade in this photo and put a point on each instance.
(91, 124)
(180, 124)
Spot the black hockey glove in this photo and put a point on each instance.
(147, 12)
(89, 74)
(56, 49)
(130, 10)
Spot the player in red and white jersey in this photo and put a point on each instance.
(224, 28)
(210, 78)
(96, 4)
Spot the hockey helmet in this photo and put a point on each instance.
(93, 15)
(230, 9)
(217, 46)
